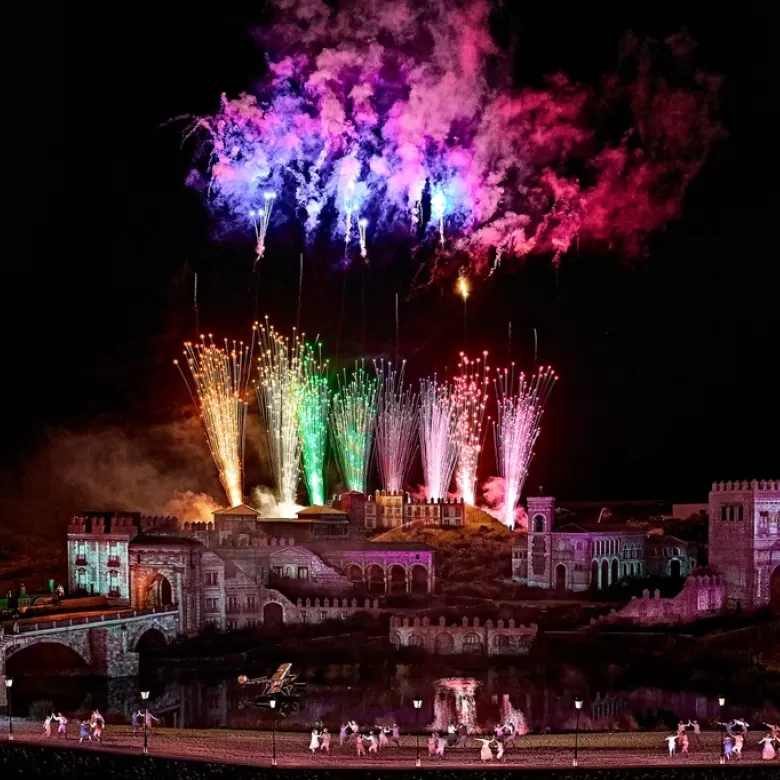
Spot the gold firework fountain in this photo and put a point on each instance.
(218, 387)
(279, 390)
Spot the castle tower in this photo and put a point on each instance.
(744, 540)
(541, 514)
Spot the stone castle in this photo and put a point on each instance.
(230, 573)
(744, 548)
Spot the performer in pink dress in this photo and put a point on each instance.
(768, 752)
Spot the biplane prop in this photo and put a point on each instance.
(282, 686)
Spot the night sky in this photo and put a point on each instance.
(668, 364)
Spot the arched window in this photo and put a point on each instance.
(539, 524)
(415, 640)
(579, 546)
(501, 640)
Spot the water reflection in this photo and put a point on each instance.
(336, 693)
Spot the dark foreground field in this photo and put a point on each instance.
(33, 761)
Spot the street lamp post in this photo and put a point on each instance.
(272, 705)
(145, 697)
(578, 707)
(9, 681)
(722, 704)
(417, 705)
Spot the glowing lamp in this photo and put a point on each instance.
(417, 704)
(9, 681)
(578, 702)
(722, 700)
(144, 695)
(272, 704)
(363, 223)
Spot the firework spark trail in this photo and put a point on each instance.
(438, 209)
(396, 426)
(221, 377)
(362, 225)
(313, 409)
(372, 116)
(278, 394)
(438, 447)
(520, 406)
(261, 219)
(470, 394)
(352, 421)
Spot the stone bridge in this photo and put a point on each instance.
(108, 642)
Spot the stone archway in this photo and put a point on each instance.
(354, 573)
(151, 639)
(675, 569)
(51, 658)
(604, 575)
(774, 591)
(615, 572)
(159, 592)
(560, 579)
(375, 579)
(594, 575)
(397, 579)
(419, 578)
(273, 614)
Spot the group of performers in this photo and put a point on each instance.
(92, 729)
(733, 740)
(370, 740)
(736, 733)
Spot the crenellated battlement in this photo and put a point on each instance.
(745, 486)
(469, 636)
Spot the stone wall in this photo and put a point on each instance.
(318, 610)
(701, 596)
(468, 637)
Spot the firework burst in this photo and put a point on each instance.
(520, 405)
(220, 378)
(278, 394)
(470, 394)
(313, 408)
(352, 421)
(396, 426)
(438, 447)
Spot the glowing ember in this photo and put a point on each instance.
(221, 378)
(396, 426)
(515, 432)
(438, 446)
(352, 420)
(278, 394)
(470, 395)
(313, 409)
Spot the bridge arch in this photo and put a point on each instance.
(46, 657)
(150, 639)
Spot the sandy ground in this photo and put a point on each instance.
(255, 747)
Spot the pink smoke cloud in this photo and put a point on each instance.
(417, 95)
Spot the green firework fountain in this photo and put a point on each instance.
(352, 421)
(313, 408)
